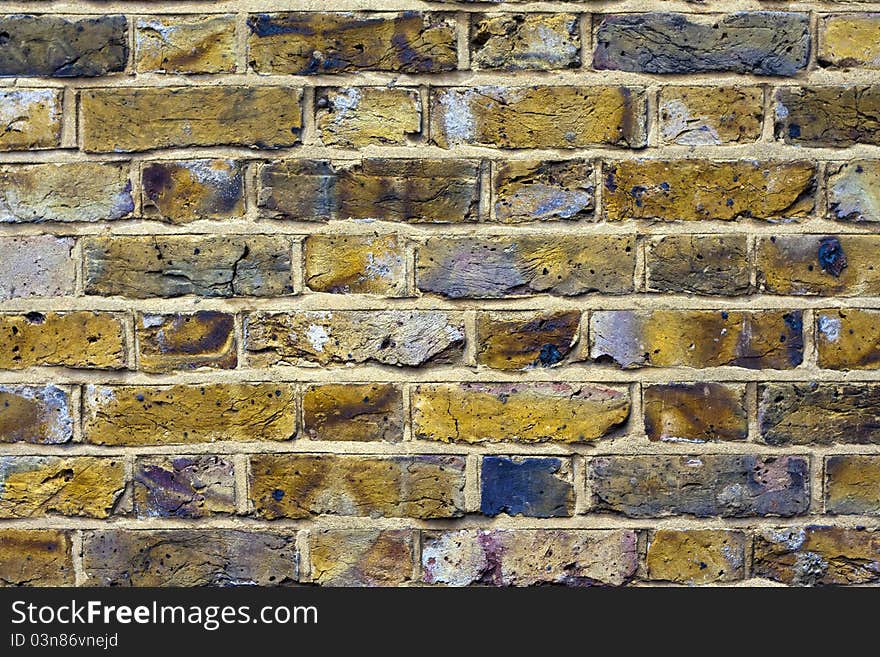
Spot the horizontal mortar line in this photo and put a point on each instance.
(586, 373)
(474, 521)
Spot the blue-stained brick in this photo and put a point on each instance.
(535, 487)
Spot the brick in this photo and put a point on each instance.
(507, 266)
(828, 116)
(695, 412)
(183, 486)
(186, 341)
(851, 484)
(141, 267)
(853, 191)
(357, 557)
(697, 116)
(698, 264)
(849, 40)
(512, 42)
(520, 340)
(131, 119)
(695, 338)
(304, 485)
(521, 412)
(187, 414)
(743, 189)
(80, 191)
(822, 265)
(355, 264)
(310, 43)
(819, 413)
(35, 557)
(529, 557)
(30, 119)
(818, 555)
(413, 191)
(36, 266)
(82, 340)
(181, 192)
(55, 46)
(189, 557)
(726, 485)
(185, 44)
(696, 556)
(759, 42)
(540, 190)
(406, 338)
(539, 116)
(354, 412)
(40, 415)
(36, 486)
(848, 339)
(536, 487)
(355, 117)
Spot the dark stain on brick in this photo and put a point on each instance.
(529, 486)
(832, 258)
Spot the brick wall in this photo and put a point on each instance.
(439, 293)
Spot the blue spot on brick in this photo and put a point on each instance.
(549, 355)
(831, 256)
(277, 494)
(794, 131)
(528, 487)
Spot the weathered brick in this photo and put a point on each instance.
(358, 557)
(30, 119)
(35, 414)
(695, 412)
(393, 337)
(55, 46)
(131, 119)
(189, 557)
(186, 341)
(522, 412)
(851, 484)
(176, 265)
(819, 413)
(36, 266)
(854, 191)
(696, 338)
(355, 264)
(696, 116)
(540, 190)
(304, 485)
(726, 485)
(828, 116)
(699, 264)
(185, 44)
(521, 340)
(696, 556)
(537, 487)
(818, 264)
(849, 40)
(539, 117)
(35, 557)
(181, 192)
(691, 190)
(80, 191)
(758, 42)
(848, 339)
(35, 486)
(513, 42)
(188, 414)
(415, 191)
(529, 557)
(504, 266)
(309, 43)
(353, 411)
(83, 339)
(355, 117)
(183, 486)
(818, 556)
